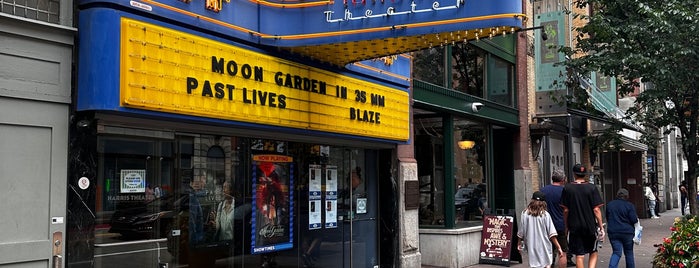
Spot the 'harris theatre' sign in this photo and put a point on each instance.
(167, 70)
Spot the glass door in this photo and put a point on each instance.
(132, 190)
(343, 232)
(358, 208)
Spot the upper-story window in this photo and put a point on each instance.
(41, 10)
(473, 71)
(468, 69)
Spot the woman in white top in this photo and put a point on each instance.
(224, 214)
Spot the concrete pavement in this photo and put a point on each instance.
(654, 230)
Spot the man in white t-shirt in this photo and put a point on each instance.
(648, 192)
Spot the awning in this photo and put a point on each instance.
(630, 144)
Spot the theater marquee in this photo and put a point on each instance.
(171, 71)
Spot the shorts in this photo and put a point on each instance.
(581, 243)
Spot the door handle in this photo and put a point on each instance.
(57, 261)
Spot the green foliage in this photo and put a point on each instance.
(681, 249)
(646, 42)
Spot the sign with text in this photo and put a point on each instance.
(272, 221)
(133, 181)
(496, 239)
(171, 71)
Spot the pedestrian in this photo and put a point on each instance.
(621, 218)
(553, 193)
(683, 195)
(537, 233)
(650, 196)
(581, 202)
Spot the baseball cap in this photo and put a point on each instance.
(579, 170)
(539, 196)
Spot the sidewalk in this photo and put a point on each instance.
(654, 230)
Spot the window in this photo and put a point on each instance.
(461, 176)
(470, 200)
(428, 66)
(468, 69)
(473, 71)
(42, 10)
(501, 81)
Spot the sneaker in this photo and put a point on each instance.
(655, 217)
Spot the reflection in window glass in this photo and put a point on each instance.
(469, 175)
(501, 81)
(468, 69)
(428, 66)
(429, 153)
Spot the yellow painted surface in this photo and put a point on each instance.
(159, 66)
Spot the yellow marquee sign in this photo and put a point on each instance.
(172, 71)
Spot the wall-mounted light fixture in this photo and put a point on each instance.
(465, 144)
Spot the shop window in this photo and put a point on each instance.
(465, 181)
(214, 210)
(470, 195)
(429, 153)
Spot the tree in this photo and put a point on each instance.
(652, 42)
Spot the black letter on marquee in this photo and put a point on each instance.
(192, 83)
(218, 87)
(258, 73)
(246, 71)
(216, 65)
(232, 68)
(282, 101)
(206, 89)
(230, 91)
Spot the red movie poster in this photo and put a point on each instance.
(272, 214)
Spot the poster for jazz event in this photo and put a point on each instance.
(272, 211)
(314, 197)
(331, 197)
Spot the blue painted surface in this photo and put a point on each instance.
(259, 24)
(99, 64)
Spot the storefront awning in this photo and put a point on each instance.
(630, 144)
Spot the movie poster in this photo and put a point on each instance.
(272, 213)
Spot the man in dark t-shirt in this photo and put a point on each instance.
(553, 193)
(581, 202)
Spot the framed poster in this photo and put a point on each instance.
(314, 197)
(331, 197)
(272, 212)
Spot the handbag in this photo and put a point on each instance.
(638, 233)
